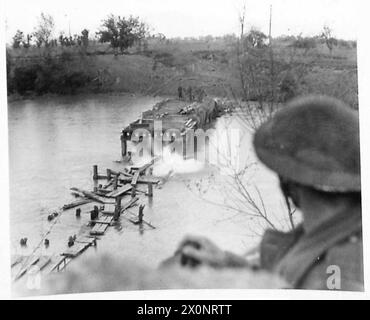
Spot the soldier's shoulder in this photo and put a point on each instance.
(275, 245)
(347, 254)
(346, 260)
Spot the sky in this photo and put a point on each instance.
(192, 18)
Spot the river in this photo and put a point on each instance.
(53, 143)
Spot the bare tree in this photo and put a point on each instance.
(237, 193)
(330, 41)
(44, 30)
(256, 69)
(265, 81)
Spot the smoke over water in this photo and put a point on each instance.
(173, 162)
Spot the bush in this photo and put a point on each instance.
(288, 88)
(305, 43)
(24, 79)
(48, 75)
(165, 58)
(71, 82)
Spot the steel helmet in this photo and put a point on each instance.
(313, 141)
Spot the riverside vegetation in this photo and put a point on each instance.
(124, 57)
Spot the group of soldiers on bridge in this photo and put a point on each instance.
(191, 94)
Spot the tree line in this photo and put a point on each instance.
(120, 32)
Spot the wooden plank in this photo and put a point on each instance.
(129, 204)
(109, 208)
(119, 192)
(123, 208)
(101, 225)
(89, 194)
(141, 191)
(126, 174)
(85, 239)
(108, 184)
(76, 250)
(100, 222)
(102, 192)
(61, 264)
(140, 180)
(43, 262)
(135, 178)
(99, 229)
(76, 204)
(137, 221)
(24, 270)
(16, 259)
(141, 170)
(105, 220)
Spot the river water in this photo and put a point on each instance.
(55, 141)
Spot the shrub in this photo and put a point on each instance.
(288, 88)
(72, 81)
(24, 78)
(165, 58)
(49, 75)
(305, 43)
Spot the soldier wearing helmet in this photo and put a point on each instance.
(313, 146)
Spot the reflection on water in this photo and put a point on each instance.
(53, 145)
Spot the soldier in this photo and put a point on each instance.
(200, 94)
(189, 92)
(179, 91)
(313, 146)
